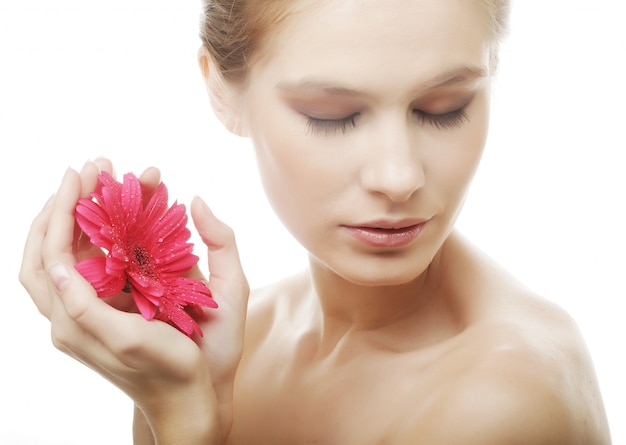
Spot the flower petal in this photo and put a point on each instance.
(92, 219)
(176, 262)
(187, 291)
(130, 198)
(150, 287)
(93, 270)
(155, 208)
(180, 319)
(92, 213)
(145, 306)
(174, 220)
(114, 265)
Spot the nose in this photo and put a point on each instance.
(393, 167)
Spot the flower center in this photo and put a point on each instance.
(143, 261)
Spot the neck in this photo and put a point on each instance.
(423, 307)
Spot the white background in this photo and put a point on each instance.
(119, 78)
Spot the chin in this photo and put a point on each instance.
(384, 270)
(381, 281)
(393, 267)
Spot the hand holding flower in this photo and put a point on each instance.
(147, 251)
(179, 386)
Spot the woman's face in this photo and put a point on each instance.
(369, 118)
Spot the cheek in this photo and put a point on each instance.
(293, 166)
(274, 137)
(294, 174)
(451, 165)
(277, 163)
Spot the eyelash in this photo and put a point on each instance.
(446, 121)
(329, 127)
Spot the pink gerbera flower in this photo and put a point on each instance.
(146, 251)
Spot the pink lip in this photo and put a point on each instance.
(387, 234)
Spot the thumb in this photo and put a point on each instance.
(59, 276)
(82, 305)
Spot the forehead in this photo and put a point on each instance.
(377, 39)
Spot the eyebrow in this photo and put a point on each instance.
(454, 76)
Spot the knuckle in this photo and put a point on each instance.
(126, 348)
(225, 234)
(29, 277)
(25, 277)
(245, 287)
(129, 351)
(43, 310)
(229, 233)
(37, 290)
(61, 337)
(75, 311)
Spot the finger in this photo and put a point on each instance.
(226, 276)
(58, 260)
(59, 239)
(89, 181)
(118, 331)
(105, 165)
(68, 336)
(79, 306)
(89, 178)
(31, 274)
(89, 174)
(78, 336)
(224, 327)
(129, 339)
(149, 180)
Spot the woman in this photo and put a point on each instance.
(369, 120)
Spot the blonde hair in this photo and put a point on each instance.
(234, 30)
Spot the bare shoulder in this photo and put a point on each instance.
(283, 294)
(530, 386)
(524, 375)
(273, 302)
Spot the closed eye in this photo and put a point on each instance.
(328, 127)
(445, 121)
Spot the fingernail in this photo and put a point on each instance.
(59, 276)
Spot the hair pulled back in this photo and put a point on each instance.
(233, 31)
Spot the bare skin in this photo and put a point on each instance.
(485, 362)
(425, 343)
(475, 360)
(400, 332)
